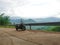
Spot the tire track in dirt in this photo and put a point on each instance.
(22, 38)
(35, 37)
(10, 36)
(5, 38)
(11, 41)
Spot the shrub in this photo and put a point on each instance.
(56, 29)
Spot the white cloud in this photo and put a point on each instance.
(31, 8)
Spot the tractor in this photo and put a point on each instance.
(20, 26)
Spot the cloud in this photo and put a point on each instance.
(30, 8)
(9, 5)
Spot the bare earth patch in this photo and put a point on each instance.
(9, 36)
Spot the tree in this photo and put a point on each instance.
(4, 20)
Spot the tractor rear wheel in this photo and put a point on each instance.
(23, 28)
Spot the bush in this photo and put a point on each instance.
(57, 29)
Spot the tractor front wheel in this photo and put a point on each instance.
(16, 29)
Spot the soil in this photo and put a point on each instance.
(9, 36)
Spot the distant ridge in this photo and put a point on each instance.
(37, 20)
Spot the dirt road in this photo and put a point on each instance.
(9, 36)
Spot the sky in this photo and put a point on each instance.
(30, 8)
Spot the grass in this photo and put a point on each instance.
(7, 26)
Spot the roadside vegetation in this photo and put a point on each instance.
(55, 29)
(6, 26)
(5, 21)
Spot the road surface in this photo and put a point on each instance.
(9, 36)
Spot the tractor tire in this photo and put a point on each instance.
(24, 28)
(16, 29)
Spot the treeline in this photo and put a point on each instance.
(4, 20)
(49, 28)
(56, 29)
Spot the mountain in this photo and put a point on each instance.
(49, 19)
(38, 20)
(29, 21)
(14, 20)
(17, 20)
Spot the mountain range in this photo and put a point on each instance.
(17, 20)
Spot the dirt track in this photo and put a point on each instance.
(9, 36)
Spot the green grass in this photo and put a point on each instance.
(7, 26)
